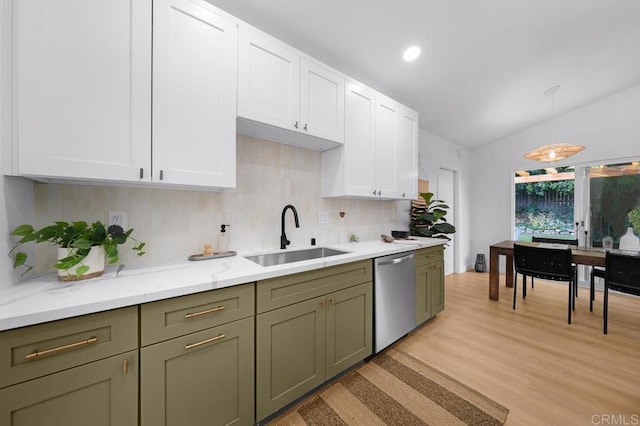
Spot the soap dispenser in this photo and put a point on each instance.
(223, 239)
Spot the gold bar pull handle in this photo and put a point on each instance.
(208, 311)
(431, 255)
(52, 351)
(204, 342)
(125, 366)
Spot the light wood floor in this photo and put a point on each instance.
(530, 360)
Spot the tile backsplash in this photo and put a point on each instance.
(177, 223)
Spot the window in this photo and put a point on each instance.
(614, 192)
(544, 203)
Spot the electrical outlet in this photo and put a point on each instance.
(323, 218)
(117, 218)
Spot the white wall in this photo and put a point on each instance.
(436, 153)
(609, 129)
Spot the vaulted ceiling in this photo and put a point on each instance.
(485, 64)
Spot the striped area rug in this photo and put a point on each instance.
(396, 389)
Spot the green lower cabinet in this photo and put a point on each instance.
(203, 378)
(100, 393)
(429, 291)
(290, 354)
(436, 289)
(301, 346)
(349, 328)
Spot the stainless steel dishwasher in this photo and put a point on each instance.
(394, 298)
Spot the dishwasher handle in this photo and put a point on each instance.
(396, 260)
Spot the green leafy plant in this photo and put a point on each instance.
(634, 218)
(78, 237)
(430, 221)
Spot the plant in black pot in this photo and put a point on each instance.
(428, 218)
(82, 248)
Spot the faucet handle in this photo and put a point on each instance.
(284, 242)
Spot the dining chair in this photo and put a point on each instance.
(573, 242)
(547, 264)
(622, 273)
(599, 273)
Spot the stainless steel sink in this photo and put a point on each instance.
(280, 257)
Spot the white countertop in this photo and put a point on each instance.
(44, 298)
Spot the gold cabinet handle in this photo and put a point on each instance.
(125, 366)
(431, 255)
(208, 311)
(331, 300)
(323, 303)
(38, 354)
(203, 342)
(433, 267)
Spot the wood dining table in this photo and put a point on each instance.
(580, 255)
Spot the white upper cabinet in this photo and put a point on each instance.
(321, 102)
(350, 170)
(269, 81)
(408, 153)
(194, 95)
(283, 90)
(360, 148)
(378, 159)
(82, 88)
(386, 147)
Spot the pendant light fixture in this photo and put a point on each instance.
(557, 151)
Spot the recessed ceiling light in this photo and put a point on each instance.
(411, 53)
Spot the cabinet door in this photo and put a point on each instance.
(194, 94)
(436, 288)
(321, 102)
(423, 302)
(349, 327)
(101, 393)
(429, 291)
(359, 147)
(204, 378)
(290, 354)
(386, 147)
(83, 88)
(268, 81)
(408, 153)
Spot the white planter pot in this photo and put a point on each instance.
(95, 260)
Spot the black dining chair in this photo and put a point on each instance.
(547, 264)
(622, 273)
(595, 272)
(573, 242)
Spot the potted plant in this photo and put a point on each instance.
(428, 218)
(82, 248)
(634, 219)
